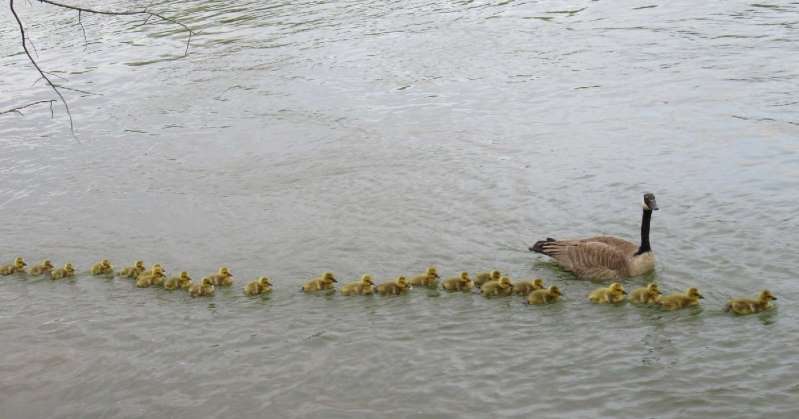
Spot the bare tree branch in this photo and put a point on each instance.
(25, 41)
(18, 109)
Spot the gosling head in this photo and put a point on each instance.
(367, 279)
(402, 282)
(328, 277)
(766, 295)
(431, 271)
(538, 283)
(105, 262)
(224, 271)
(139, 264)
(495, 275)
(47, 263)
(649, 203)
(20, 263)
(504, 282)
(264, 281)
(207, 281)
(617, 288)
(554, 290)
(157, 270)
(184, 275)
(653, 288)
(694, 293)
(68, 267)
(464, 276)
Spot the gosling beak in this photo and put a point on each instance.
(624, 292)
(333, 279)
(774, 298)
(702, 297)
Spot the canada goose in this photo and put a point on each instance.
(678, 300)
(526, 287)
(364, 286)
(223, 277)
(747, 306)
(484, 277)
(645, 295)
(133, 271)
(395, 287)
(427, 279)
(64, 272)
(544, 296)
(259, 286)
(611, 295)
(42, 268)
(325, 282)
(461, 283)
(11, 268)
(102, 267)
(501, 288)
(604, 257)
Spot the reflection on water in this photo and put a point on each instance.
(365, 136)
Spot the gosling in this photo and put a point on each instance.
(102, 267)
(646, 295)
(65, 272)
(461, 283)
(364, 286)
(544, 296)
(45, 267)
(259, 286)
(154, 277)
(526, 287)
(325, 282)
(396, 287)
(176, 282)
(611, 295)
(223, 277)
(204, 289)
(133, 271)
(484, 277)
(12, 268)
(501, 288)
(427, 279)
(747, 306)
(678, 300)
(184, 282)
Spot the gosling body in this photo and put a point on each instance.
(325, 282)
(544, 296)
(645, 295)
(484, 277)
(396, 287)
(65, 272)
(17, 267)
(133, 271)
(676, 301)
(524, 288)
(102, 267)
(427, 279)
(44, 267)
(364, 286)
(460, 283)
(204, 289)
(501, 288)
(223, 277)
(259, 286)
(611, 295)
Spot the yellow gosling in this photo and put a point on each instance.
(153, 277)
(646, 295)
(460, 283)
(484, 277)
(395, 287)
(133, 271)
(17, 267)
(171, 283)
(102, 267)
(325, 282)
(259, 286)
(364, 286)
(65, 272)
(42, 268)
(524, 288)
(678, 300)
(544, 296)
(611, 295)
(747, 306)
(223, 277)
(184, 281)
(501, 288)
(204, 289)
(427, 279)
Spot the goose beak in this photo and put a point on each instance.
(654, 205)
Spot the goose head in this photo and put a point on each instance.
(649, 203)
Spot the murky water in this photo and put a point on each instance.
(381, 137)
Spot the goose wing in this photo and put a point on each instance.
(588, 259)
(624, 246)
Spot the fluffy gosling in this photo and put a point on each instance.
(501, 288)
(427, 279)
(747, 306)
(102, 267)
(44, 267)
(526, 287)
(204, 289)
(611, 295)
(65, 272)
(259, 286)
(544, 296)
(395, 287)
(646, 295)
(325, 282)
(678, 300)
(133, 271)
(364, 286)
(223, 277)
(12, 268)
(460, 283)
(484, 277)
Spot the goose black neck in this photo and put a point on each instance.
(647, 217)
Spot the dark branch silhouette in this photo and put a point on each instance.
(18, 109)
(44, 75)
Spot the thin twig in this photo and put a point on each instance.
(85, 42)
(36, 66)
(18, 109)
